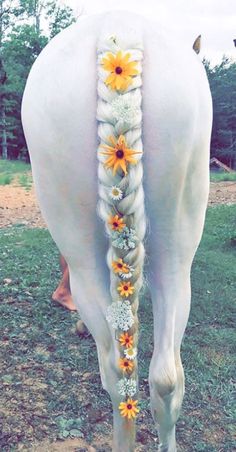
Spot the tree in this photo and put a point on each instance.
(21, 41)
(7, 12)
(20, 50)
(57, 17)
(222, 79)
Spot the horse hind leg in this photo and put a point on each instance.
(175, 235)
(166, 376)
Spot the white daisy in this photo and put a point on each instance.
(120, 315)
(116, 193)
(131, 353)
(127, 387)
(127, 275)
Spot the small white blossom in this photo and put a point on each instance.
(131, 353)
(120, 315)
(123, 109)
(116, 193)
(127, 275)
(127, 387)
(125, 239)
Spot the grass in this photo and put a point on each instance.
(26, 181)
(5, 179)
(14, 166)
(220, 177)
(11, 170)
(50, 376)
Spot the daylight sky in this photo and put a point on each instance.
(215, 20)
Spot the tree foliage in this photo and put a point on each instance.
(222, 79)
(21, 40)
(20, 50)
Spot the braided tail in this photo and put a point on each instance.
(121, 199)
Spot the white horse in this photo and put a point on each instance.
(63, 116)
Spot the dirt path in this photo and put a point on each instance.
(19, 206)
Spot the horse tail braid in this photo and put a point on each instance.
(121, 199)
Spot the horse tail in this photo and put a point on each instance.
(121, 199)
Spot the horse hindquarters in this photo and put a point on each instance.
(65, 172)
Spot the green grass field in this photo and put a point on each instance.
(222, 177)
(15, 170)
(49, 376)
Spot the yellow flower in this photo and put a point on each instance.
(118, 155)
(126, 365)
(129, 408)
(126, 340)
(116, 223)
(125, 289)
(120, 266)
(121, 69)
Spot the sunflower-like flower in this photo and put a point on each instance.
(121, 70)
(125, 289)
(126, 340)
(129, 408)
(120, 267)
(118, 155)
(126, 365)
(116, 223)
(130, 353)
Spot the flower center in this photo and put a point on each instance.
(118, 70)
(126, 288)
(129, 406)
(120, 154)
(119, 265)
(126, 364)
(127, 340)
(115, 224)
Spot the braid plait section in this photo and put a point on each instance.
(121, 198)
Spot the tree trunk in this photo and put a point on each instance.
(39, 5)
(4, 134)
(37, 23)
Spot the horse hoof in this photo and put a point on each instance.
(81, 329)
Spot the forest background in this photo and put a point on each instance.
(26, 26)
